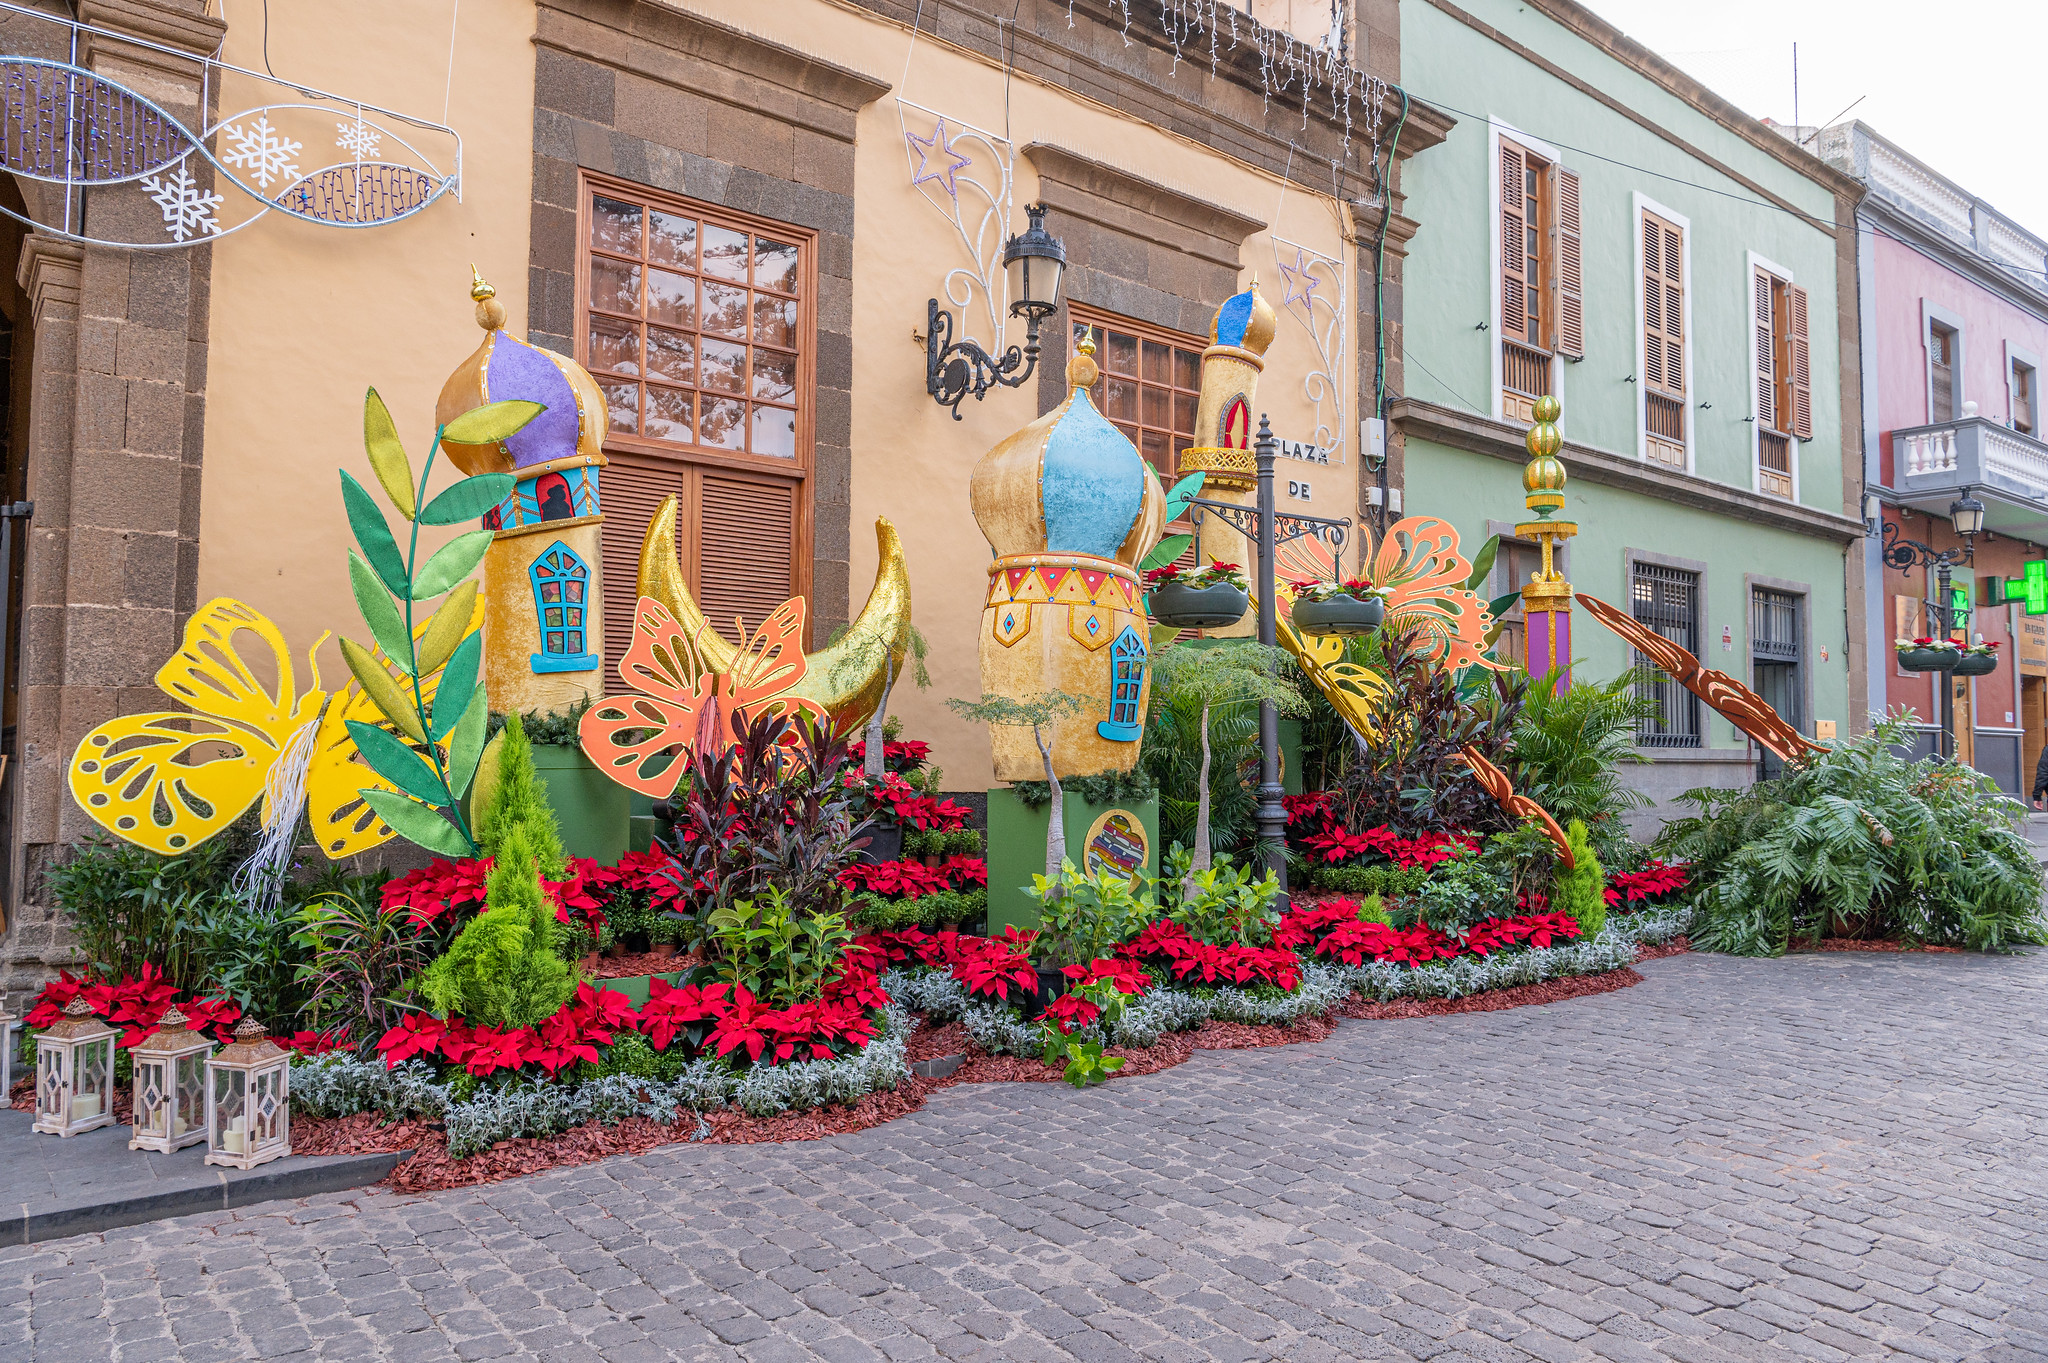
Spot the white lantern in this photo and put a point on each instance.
(8, 1022)
(170, 1086)
(248, 1117)
(75, 1073)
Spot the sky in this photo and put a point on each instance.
(1957, 84)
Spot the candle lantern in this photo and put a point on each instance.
(8, 1022)
(170, 1086)
(75, 1073)
(248, 1121)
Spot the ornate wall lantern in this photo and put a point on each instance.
(170, 1086)
(1036, 260)
(248, 1115)
(75, 1073)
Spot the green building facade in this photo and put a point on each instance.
(1680, 292)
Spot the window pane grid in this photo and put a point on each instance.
(692, 328)
(1150, 386)
(1667, 600)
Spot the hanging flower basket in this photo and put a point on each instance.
(1979, 661)
(1343, 608)
(1210, 596)
(1929, 655)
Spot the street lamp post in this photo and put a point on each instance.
(955, 370)
(1269, 529)
(1966, 518)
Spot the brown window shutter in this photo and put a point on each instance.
(1514, 277)
(1571, 307)
(1663, 306)
(632, 494)
(1800, 375)
(1653, 303)
(747, 555)
(1766, 356)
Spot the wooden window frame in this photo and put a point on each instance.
(2023, 396)
(1655, 385)
(1550, 282)
(689, 464)
(1086, 315)
(1781, 378)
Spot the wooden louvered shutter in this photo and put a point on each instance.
(632, 494)
(746, 549)
(1799, 366)
(1570, 309)
(1663, 306)
(1514, 264)
(1766, 356)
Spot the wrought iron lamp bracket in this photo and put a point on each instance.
(1245, 520)
(955, 370)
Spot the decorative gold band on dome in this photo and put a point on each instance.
(1228, 469)
(1236, 352)
(1541, 595)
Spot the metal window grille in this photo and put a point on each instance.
(1667, 600)
(1774, 626)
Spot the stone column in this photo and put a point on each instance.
(113, 466)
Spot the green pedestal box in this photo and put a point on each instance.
(1125, 835)
(592, 809)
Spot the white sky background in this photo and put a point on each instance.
(1958, 84)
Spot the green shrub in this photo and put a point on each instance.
(1582, 890)
(870, 912)
(1371, 910)
(1459, 893)
(1084, 917)
(1386, 881)
(1571, 746)
(1859, 842)
(501, 970)
(520, 800)
(1228, 906)
(782, 954)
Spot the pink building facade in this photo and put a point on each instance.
(1953, 318)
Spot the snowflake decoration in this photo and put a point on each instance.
(186, 207)
(262, 151)
(359, 138)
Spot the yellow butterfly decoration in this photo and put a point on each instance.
(169, 780)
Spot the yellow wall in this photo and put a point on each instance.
(305, 317)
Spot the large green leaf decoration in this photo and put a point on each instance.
(490, 422)
(1498, 608)
(458, 682)
(416, 822)
(450, 564)
(373, 533)
(387, 456)
(447, 628)
(1165, 552)
(1482, 564)
(468, 499)
(382, 691)
(1183, 493)
(397, 763)
(380, 612)
(466, 745)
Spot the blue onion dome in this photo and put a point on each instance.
(569, 433)
(1069, 483)
(1246, 321)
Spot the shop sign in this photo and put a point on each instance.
(2033, 646)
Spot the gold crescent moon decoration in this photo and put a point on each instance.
(845, 679)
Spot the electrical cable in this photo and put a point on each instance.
(1379, 263)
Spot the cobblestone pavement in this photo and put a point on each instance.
(1809, 1158)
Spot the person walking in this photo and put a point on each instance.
(2041, 778)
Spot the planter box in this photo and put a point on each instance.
(1016, 846)
(1340, 615)
(1182, 607)
(593, 810)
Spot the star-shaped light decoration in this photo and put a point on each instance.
(939, 144)
(1300, 281)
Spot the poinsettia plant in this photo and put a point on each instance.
(1359, 588)
(1198, 576)
(1939, 645)
(1987, 649)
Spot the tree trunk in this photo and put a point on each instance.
(875, 742)
(1055, 824)
(1202, 859)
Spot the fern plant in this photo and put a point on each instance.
(1570, 748)
(1859, 842)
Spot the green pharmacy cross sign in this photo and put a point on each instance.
(2030, 589)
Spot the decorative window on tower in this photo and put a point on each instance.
(1150, 386)
(1127, 678)
(1542, 305)
(561, 600)
(699, 324)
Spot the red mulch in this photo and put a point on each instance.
(1677, 946)
(1854, 944)
(640, 963)
(22, 1098)
(931, 1043)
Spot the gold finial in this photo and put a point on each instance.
(1543, 477)
(490, 313)
(1082, 371)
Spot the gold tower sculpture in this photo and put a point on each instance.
(1547, 597)
(1231, 366)
(543, 574)
(1069, 506)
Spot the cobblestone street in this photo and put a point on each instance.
(1819, 1157)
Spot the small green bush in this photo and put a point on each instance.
(501, 970)
(1388, 882)
(1581, 891)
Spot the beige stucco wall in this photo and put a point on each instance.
(304, 318)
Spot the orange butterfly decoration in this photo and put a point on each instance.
(1421, 565)
(680, 703)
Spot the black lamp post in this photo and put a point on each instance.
(1966, 517)
(1034, 259)
(1269, 529)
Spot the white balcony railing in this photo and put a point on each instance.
(1971, 452)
